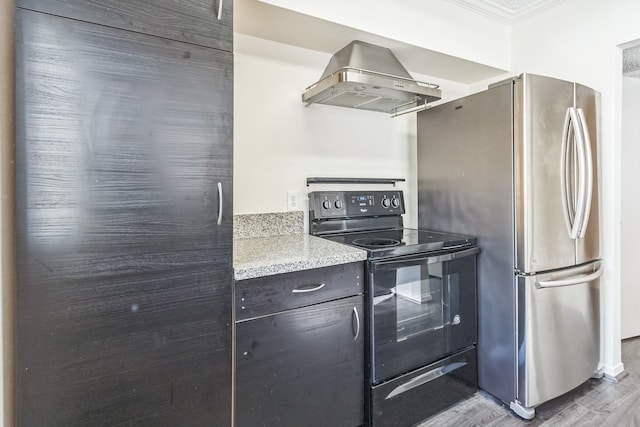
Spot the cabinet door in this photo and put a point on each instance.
(302, 367)
(123, 274)
(202, 22)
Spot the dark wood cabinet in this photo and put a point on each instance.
(303, 366)
(124, 270)
(203, 22)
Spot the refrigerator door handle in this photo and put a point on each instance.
(575, 280)
(573, 140)
(565, 166)
(588, 167)
(582, 173)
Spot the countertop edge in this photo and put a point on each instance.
(243, 273)
(267, 256)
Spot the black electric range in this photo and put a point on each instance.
(420, 298)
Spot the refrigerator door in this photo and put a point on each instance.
(587, 246)
(540, 108)
(558, 331)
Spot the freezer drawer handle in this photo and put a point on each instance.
(577, 280)
(308, 288)
(425, 378)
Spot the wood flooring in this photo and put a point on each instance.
(595, 403)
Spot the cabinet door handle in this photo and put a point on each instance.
(219, 203)
(355, 316)
(308, 288)
(220, 10)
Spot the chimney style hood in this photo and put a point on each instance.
(369, 77)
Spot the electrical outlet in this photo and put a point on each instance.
(294, 203)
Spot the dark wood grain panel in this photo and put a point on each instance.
(301, 367)
(123, 276)
(270, 294)
(191, 21)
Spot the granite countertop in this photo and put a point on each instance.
(289, 249)
(264, 256)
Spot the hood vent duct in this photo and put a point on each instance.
(369, 77)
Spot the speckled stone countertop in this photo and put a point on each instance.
(283, 253)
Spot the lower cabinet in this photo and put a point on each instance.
(302, 367)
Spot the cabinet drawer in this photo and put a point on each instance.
(271, 294)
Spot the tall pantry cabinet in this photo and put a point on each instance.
(124, 214)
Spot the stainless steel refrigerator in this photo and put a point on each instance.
(516, 166)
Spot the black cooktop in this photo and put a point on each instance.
(400, 242)
(372, 220)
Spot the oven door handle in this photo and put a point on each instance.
(400, 263)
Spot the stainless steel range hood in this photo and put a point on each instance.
(369, 77)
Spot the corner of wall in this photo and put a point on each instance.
(7, 173)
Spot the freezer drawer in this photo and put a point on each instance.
(419, 394)
(558, 331)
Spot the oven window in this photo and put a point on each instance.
(419, 302)
(422, 310)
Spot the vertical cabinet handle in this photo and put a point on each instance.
(220, 10)
(356, 329)
(219, 203)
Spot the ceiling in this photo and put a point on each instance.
(506, 11)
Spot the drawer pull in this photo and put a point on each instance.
(308, 288)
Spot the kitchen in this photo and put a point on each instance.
(278, 142)
(301, 140)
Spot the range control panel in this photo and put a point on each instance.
(351, 204)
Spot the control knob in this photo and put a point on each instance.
(395, 202)
(338, 204)
(326, 204)
(386, 203)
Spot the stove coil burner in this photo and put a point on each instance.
(376, 242)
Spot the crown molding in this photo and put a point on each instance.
(505, 11)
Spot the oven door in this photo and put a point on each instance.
(422, 309)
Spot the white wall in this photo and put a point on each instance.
(438, 25)
(7, 282)
(279, 142)
(578, 40)
(630, 208)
